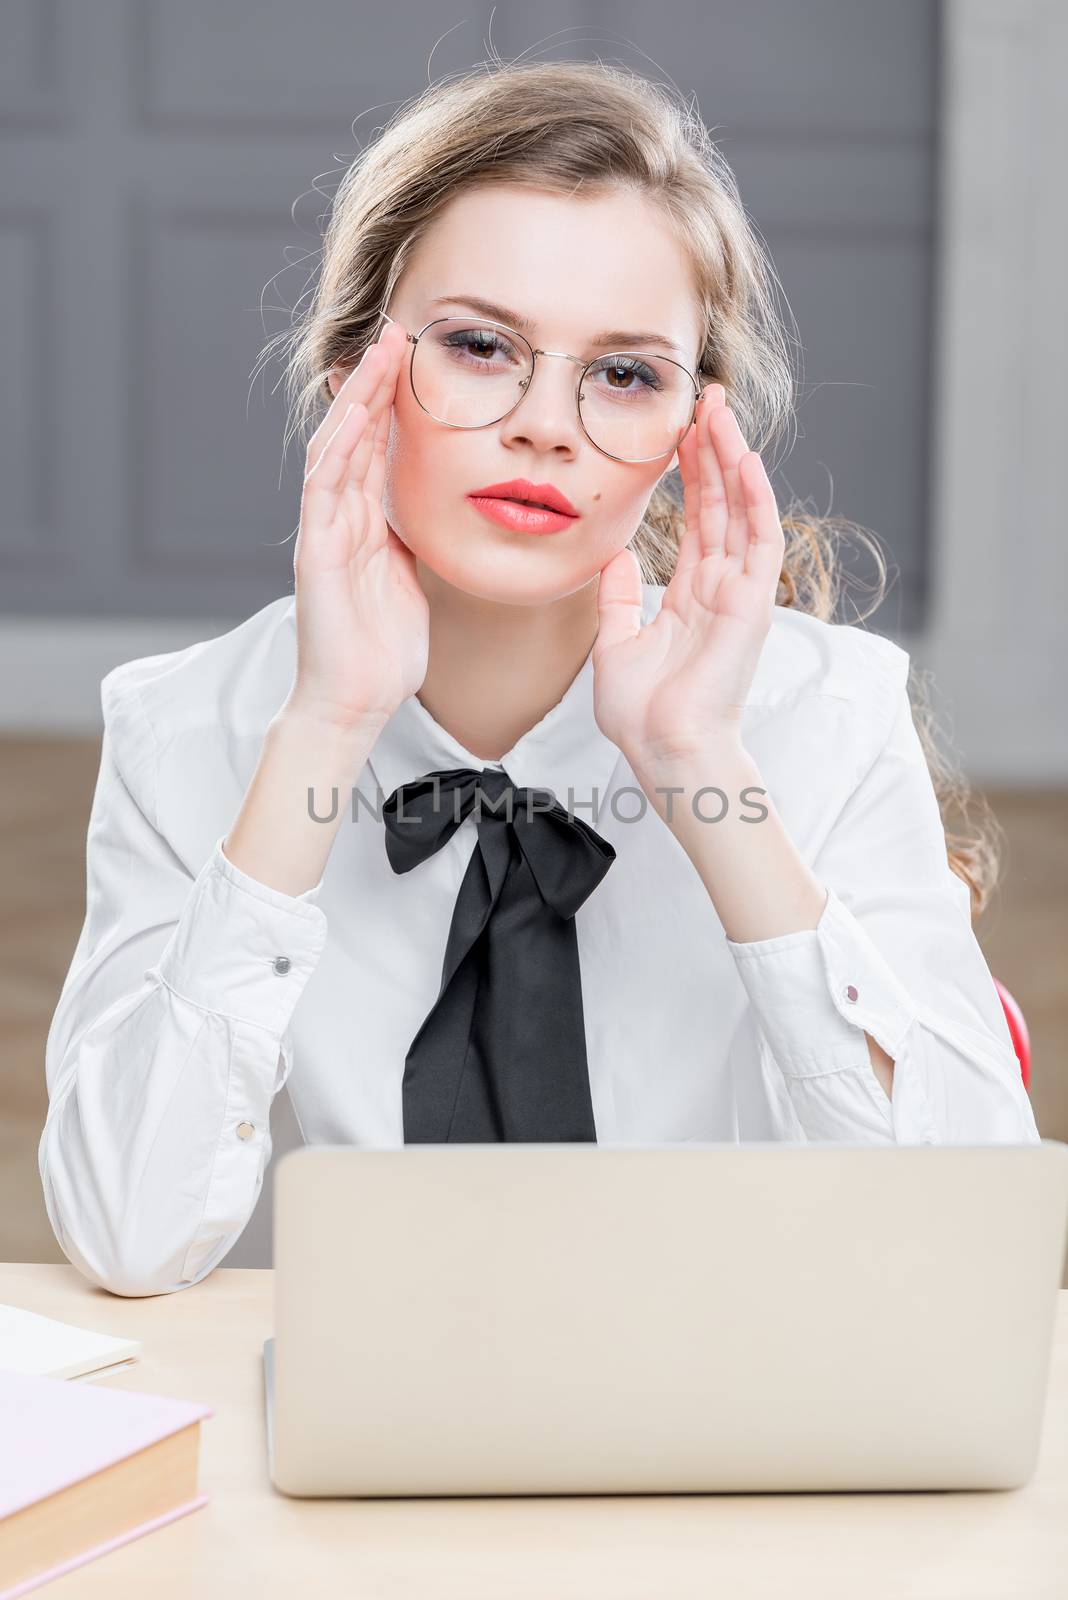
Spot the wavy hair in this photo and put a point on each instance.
(562, 126)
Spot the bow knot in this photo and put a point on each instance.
(502, 1052)
(566, 858)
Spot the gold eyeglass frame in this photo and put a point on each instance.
(488, 322)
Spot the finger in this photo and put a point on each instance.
(692, 546)
(767, 543)
(320, 495)
(619, 601)
(367, 508)
(730, 447)
(713, 510)
(359, 395)
(357, 389)
(327, 474)
(376, 472)
(332, 480)
(381, 400)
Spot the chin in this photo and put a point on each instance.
(509, 576)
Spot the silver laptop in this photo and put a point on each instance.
(574, 1319)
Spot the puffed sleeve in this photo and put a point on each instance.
(894, 954)
(170, 1038)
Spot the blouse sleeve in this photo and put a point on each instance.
(170, 1038)
(894, 954)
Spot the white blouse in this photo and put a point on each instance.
(179, 1021)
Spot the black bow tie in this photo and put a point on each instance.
(501, 1054)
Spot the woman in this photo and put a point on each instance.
(722, 907)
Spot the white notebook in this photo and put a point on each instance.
(30, 1342)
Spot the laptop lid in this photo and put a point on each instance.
(557, 1318)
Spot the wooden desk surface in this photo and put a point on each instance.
(205, 1343)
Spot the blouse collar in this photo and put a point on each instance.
(801, 656)
(564, 750)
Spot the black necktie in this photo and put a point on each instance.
(501, 1054)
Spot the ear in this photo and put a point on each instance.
(336, 377)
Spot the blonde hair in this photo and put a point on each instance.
(561, 127)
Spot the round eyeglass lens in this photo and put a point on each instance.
(471, 374)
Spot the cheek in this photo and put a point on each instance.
(615, 513)
(428, 465)
(404, 430)
(412, 458)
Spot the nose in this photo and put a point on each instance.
(546, 416)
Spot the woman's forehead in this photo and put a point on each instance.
(561, 265)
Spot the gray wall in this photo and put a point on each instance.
(152, 154)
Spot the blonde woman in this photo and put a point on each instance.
(552, 804)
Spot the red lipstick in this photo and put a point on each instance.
(524, 506)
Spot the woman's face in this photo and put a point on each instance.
(573, 267)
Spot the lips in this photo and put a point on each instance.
(546, 496)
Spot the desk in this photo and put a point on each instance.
(205, 1343)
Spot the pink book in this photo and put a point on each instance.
(85, 1468)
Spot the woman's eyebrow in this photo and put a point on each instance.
(614, 338)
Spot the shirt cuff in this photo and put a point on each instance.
(241, 948)
(816, 992)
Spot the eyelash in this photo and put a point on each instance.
(622, 363)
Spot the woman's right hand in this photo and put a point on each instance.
(362, 617)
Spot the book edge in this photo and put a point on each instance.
(84, 1556)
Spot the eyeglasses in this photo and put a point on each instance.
(470, 373)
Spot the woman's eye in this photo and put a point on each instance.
(624, 375)
(475, 347)
(479, 347)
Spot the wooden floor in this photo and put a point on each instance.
(44, 811)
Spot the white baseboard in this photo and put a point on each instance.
(51, 667)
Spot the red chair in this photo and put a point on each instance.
(1021, 1039)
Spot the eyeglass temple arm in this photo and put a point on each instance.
(411, 337)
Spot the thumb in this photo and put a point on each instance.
(619, 601)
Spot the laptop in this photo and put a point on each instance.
(510, 1319)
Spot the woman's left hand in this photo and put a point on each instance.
(676, 687)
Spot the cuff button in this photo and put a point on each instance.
(245, 1130)
(282, 965)
(851, 993)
